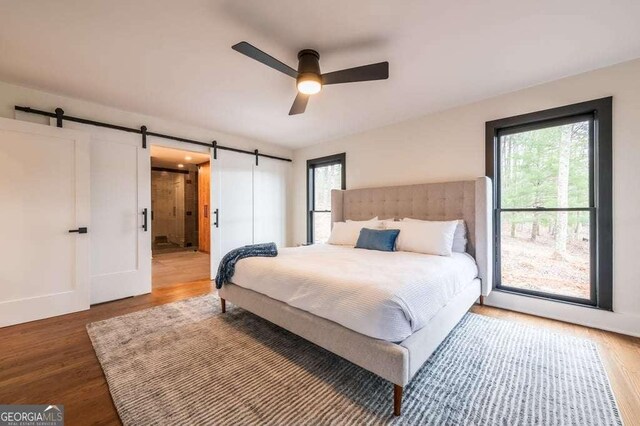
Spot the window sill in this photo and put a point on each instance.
(550, 299)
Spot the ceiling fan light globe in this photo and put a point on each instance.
(309, 87)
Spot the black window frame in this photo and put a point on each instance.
(599, 111)
(311, 166)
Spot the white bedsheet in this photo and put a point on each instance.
(385, 295)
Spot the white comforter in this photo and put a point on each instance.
(385, 295)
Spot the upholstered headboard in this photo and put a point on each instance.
(469, 200)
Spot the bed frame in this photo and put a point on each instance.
(395, 362)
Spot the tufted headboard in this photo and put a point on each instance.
(469, 200)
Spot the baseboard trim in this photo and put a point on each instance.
(616, 322)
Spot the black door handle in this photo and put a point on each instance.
(144, 220)
(82, 230)
(215, 212)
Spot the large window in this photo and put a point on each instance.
(323, 175)
(551, 174)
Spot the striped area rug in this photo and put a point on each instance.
(184, 363)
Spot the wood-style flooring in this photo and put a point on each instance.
(52, 361)
(179, 267)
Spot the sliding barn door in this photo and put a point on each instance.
(270, 179)
(231, 204)
(120, 195)
(45, 196)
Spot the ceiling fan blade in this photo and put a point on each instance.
(299, 104)
(257, 54)
(379, 71)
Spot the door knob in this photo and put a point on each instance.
(82, 230)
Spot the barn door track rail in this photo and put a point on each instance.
(60, 116)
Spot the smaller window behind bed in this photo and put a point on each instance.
(323, 175)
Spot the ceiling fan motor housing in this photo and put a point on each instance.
(309, 66)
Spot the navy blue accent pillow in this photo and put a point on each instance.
(377, 239)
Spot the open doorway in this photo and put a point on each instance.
(180, 230)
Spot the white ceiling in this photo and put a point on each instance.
(173, 59)
(169, 157)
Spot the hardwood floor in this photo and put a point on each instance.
(179, 267)
(52, 360)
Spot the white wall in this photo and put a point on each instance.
(11, 95)
(450, 146)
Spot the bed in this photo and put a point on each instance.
(384, 311)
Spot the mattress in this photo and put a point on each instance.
(384, 295)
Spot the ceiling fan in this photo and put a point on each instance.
(308, 76)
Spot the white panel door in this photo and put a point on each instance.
(270, 178)
(120, 191)
(44, 193)
(231, 204)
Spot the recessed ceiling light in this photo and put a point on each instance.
(181, 165)
(188, 158)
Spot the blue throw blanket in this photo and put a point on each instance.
(227, 266)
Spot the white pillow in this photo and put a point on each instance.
(459, 237)
(425, 236)
(347, 233)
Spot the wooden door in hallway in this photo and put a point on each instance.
(204, 207)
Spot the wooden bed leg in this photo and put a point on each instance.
(481, 300)
(397, 399)
(224, 305)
